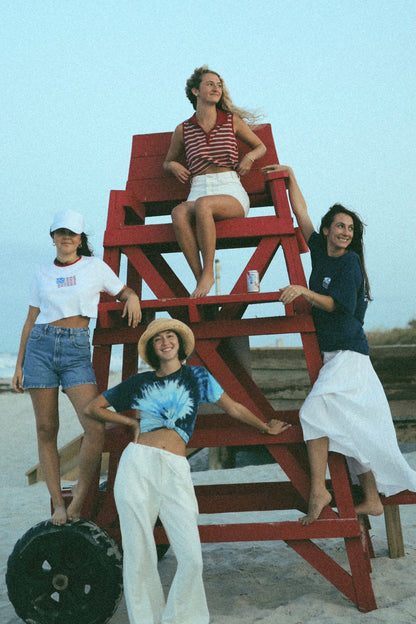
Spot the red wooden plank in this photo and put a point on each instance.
(312, 355)
(150, 183)
(227, 498)
(151, 144)
(402, 498)
(157, 144)
(269, 531)
(260, 261)
(252, 230)
(287, 458)
(341, 485)
(234, 386)
(156, 273)
(149, 167)
(224, 329)
(243, 435)
(326, 566)
(101, 364)
(130, 360)
(154, 191)
(364, 595)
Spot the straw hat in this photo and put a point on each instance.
(165, 324)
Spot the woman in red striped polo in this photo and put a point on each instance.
(208, 140)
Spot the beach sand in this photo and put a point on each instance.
(246, 583)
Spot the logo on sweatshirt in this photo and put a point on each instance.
(63, 282)
(326, 282)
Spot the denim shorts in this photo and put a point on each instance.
(223, 183)
(57, 356)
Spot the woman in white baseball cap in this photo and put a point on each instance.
(153, 477)
(55, 350)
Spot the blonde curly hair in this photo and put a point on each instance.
(225, 102)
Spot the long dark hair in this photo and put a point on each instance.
(154, 360)
(85, 248)
(357, 243)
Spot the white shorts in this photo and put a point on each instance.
(224, 183)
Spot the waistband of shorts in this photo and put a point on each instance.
(219, 175)
(154, 450)
(53, 330)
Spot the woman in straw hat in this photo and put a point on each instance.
(153, 477)
(55, 351)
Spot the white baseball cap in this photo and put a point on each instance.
(70, 220)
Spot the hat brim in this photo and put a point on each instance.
(165, 324)
(69, 220)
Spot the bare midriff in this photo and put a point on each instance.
(73, 322)
(165, 439)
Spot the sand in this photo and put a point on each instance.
(246, 583)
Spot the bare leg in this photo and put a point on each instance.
(203, 212)
(319, 496)
(45, 405)
(91, 447)
(182, 220)
(371, 504)
(207, 211)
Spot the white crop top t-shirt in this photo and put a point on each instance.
(63, 291)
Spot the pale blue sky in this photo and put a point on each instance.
(335, 79)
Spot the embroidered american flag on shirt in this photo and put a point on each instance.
(62, 282)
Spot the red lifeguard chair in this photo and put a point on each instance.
(51, 565)
(150, 192)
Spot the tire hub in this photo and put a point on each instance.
(60, 582)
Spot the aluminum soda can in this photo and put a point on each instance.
(253, 283)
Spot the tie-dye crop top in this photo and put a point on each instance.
(169, 402)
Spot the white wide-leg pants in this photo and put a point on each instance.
(151, 482)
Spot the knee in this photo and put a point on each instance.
(179, 214)
(204, 214)
(47, 432)
(203, 207)
(93, 428)
(191, 561)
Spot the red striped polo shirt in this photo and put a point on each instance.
(217, 147)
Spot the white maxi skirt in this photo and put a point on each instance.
(348, 405)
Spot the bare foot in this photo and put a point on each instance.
(203, 285)
(370, 508)
(317, 502)
(59, 516)
(74, 507)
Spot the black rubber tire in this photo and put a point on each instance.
(70, 574)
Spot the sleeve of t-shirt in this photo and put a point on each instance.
(34, 298)
(344, 287)
(111, 284)
(122, 396)
(212, 389)
(315, 242)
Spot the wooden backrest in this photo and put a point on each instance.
(159, 190)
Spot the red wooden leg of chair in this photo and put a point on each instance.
(365, 599)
